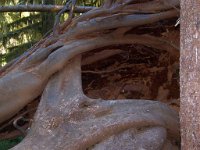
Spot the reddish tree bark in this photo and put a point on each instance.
(190, 75)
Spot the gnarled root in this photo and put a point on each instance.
(67, 119)
(25, 78)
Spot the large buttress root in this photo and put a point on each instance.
(25, 78)
(28, 80)
(23, 84)
(67, 119)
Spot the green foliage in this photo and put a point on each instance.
(20, 29)
(7, 144)
(95, 3)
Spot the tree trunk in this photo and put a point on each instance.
(66, 118)
(190, 75)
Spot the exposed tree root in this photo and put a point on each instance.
(68, 119)
(84, 123)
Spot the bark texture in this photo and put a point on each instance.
(190, 75)
(66, 118)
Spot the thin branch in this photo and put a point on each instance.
(125, 66)
(42, 8)
(100, 56)
(66, 7)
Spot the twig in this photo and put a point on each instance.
(57, 18)
(66, 7)
(118, 68)
(12, 120)
(15, 124)
(109, 71)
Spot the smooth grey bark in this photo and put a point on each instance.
(67, 119)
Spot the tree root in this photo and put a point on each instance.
(67, 119)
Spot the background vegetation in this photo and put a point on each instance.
(19, 31)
